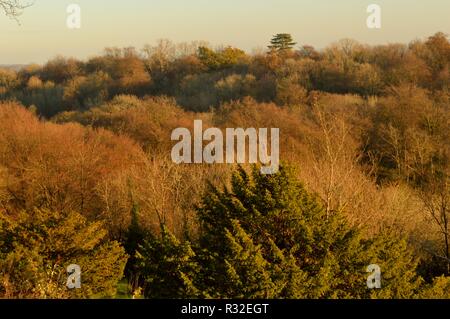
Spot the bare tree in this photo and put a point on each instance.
(13, 8)
(437, 202)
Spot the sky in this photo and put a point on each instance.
(247, 24)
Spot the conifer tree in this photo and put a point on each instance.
(37, 247)
(320, 255)
(247, 272)
(267, 237)
(135, 237)
(168, 267)
(282, 42)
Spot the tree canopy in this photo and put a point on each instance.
(282, 42)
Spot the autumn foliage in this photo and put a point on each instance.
(364, 139)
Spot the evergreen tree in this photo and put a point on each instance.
(399, 268)
(282, 42)
(37, 247)
(135, 237)
(438, 289)
(167, 267)
(247, 272)
(312, 254)
(267, 237)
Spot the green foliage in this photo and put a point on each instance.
(281, 42)
(222, 59)
(267, 237)
(322, 252)
(246, 274)
(279, 214)
(399, 268)
(134, 238)
(439, 289)
(167, 267)
(38, 246)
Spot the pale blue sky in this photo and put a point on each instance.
(246, 24)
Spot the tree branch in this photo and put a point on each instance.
(14, 8)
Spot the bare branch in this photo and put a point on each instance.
(14, 8)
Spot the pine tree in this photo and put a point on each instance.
(267, 237)
(247, 272)
(311, 253)
(282, 42)
(438, 289)
(135, 237)
(399, 268)
(167, 267)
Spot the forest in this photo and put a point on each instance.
(86, 175)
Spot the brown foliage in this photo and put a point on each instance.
(54, 166)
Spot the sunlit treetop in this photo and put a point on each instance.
(281, 42)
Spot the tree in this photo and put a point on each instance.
(61, 69)
(13, 8)
(38, 246)
(437, 58)
(135, 237)
(167, 267)
(81, 160)
(8, 81)
(282, 42)
(297, 249)
(83, 92)
(224, 58)
(247, 272)
(436, 198)
(235, 87)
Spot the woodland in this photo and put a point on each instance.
(86, 175)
